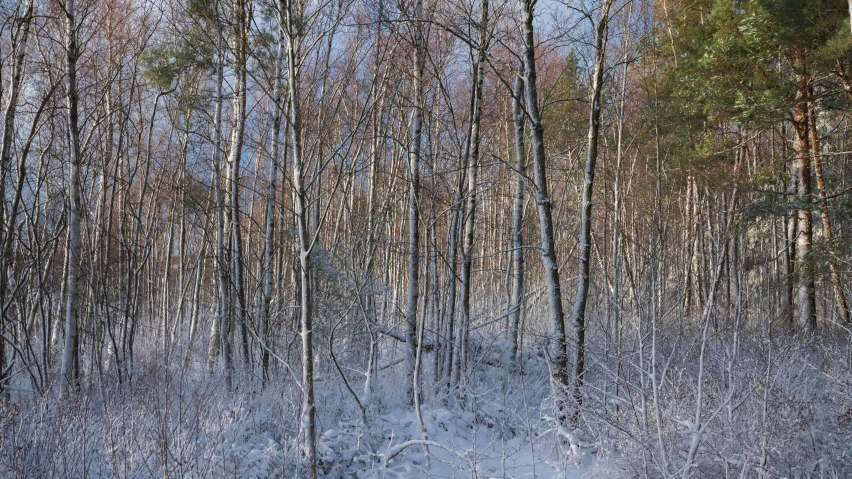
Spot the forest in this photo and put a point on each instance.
(425, 238)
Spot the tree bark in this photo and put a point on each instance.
(804, 236)
(517, 239)
(450, 348)
(308, 421)
(269, 219)
(234, 165)
(471, 171)
(839, 296)
(789, 303)
(413, 203)
(19, 54)
(578, 316)
(220, 334)
(70, 354)
(556, 352)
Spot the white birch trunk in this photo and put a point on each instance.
(413, 206)
(556, 352)
(517, 239)
(70, 359)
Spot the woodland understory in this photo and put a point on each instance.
(425, 238)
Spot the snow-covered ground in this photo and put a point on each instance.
(175, 420)
(460, 445)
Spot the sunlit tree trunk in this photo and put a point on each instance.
(827, 231)
(556, 351)
(805, 296)
(292, 22)
(220, 333)
(234, 164)
(517, 235)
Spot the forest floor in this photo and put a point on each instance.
(175, 420)
(472, 444)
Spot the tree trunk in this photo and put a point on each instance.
(234, 165)
(413, 204)
(471, 171)
(269, 220)
(839, 296)
(789, 240)
(308, 421)
(850, 14)
(517, 239)
(220, 334)
(450, 351)
(19, 51)
(804, 236)
(578, 316)
(70, 354)
(556, 352)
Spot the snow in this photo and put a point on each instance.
(176, 420)
(460, 446)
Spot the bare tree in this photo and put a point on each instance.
(415, 138)
(220, 333)
(240, 54)
(556, 352)
(70, 353)
(19, 45)
(517, 235)
(578, 316)
(292, 21)
(471, 171)
(269, 218)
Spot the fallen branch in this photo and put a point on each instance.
(394, 451)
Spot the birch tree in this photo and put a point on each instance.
(517, 235)
(471, 172)
(20, 36)
(415, 138)
(240, 10)
(70, 352)
(270, 214)
(293, 19)
(556, 349)
(578, 316)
